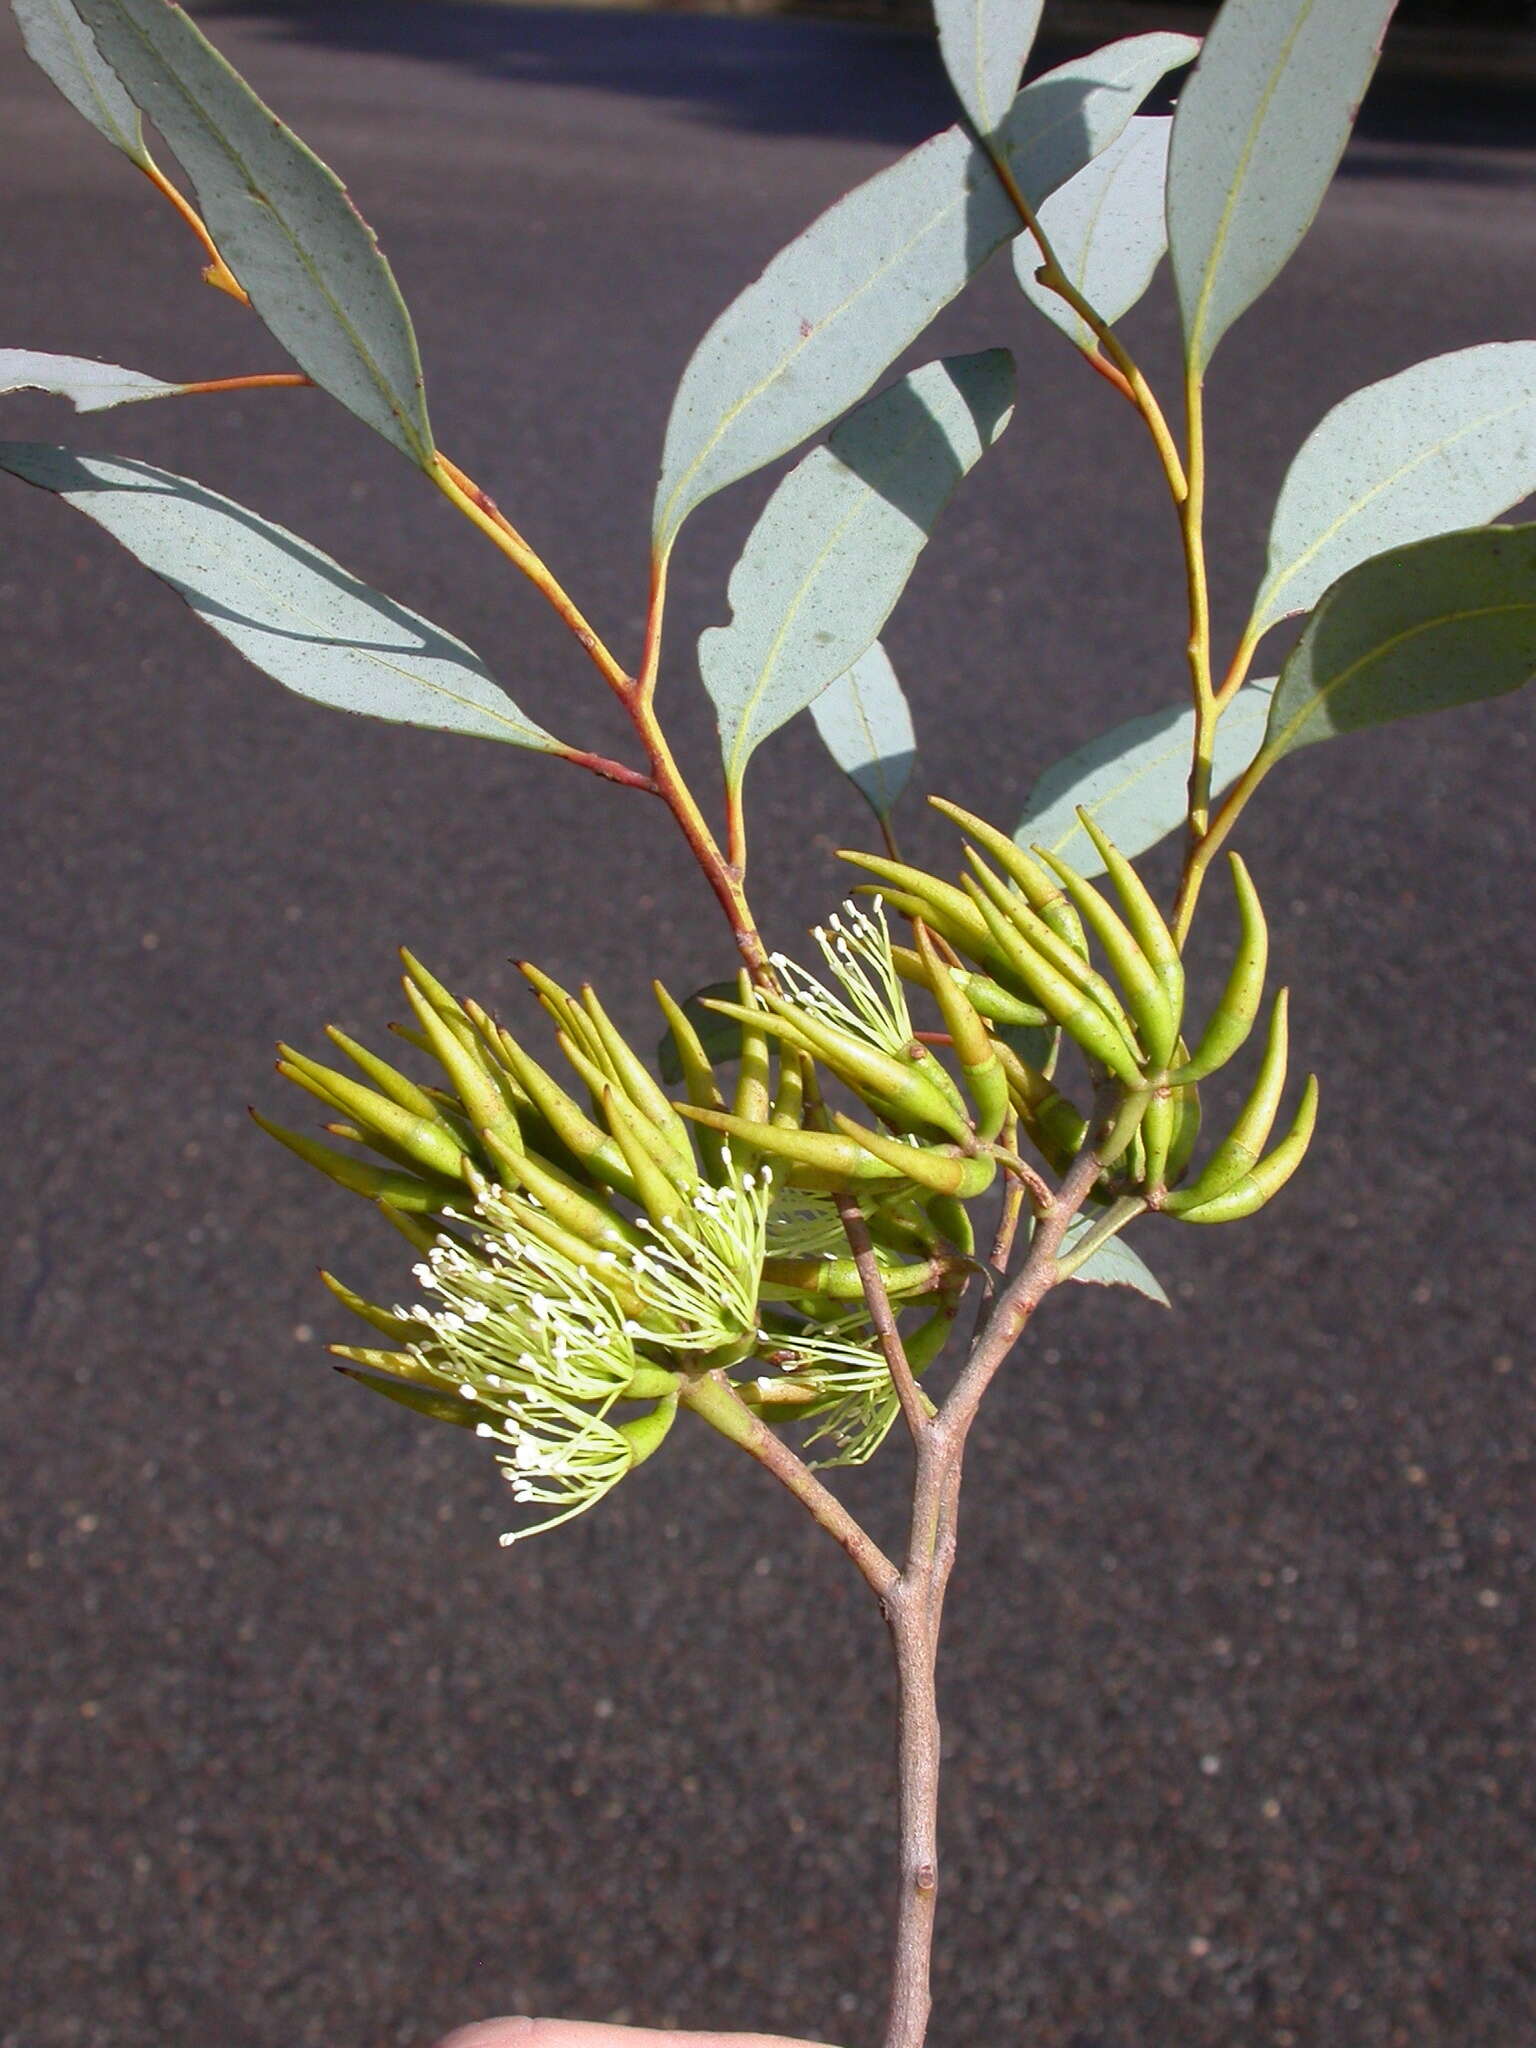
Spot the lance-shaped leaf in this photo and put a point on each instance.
(1113, 1264)
(288, 608)
(1443, 622)
(865, 721)
(281, 218)
(1449, 443)
(1067, 117)
(1258, 134)
(836, 542)
(89, 386)
(1106, 228)
(59, 43)
(984, 44)
(1134, 780)
(835, 308)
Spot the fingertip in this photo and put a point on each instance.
(516, 2032)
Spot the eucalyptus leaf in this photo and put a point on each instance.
(281, 218)
(89, 386)
(984, 44)
(1113, 1264)
(831, 554)
(719, 1036)
(59, 43)
(866, 723)
(1134, 780)
(290, 609)
(1258, 135)
(1448, 443)
(1038, 1045)
(1443, 622)
(1065, 118)
(835, 308)
(1106, 228)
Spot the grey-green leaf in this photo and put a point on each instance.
(281, 218)
(984, 44)
(1113, 1264)
(1448, 443)
(836, 307)
(1258, 134)
(836, 542)
(1134, 780)
(1442, 622)
(288, 608)
(59, 43)
(1066, 117)
(1106, 228)
(89, 386)
(865, 721)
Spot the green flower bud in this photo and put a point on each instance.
(1233, 1017)
(1239, 1151)
(1078, 1014)
(398, 1189)
(945, 1172)
(980, 1069)
(1038, 889)
(1264, 1180)
(1146, 997)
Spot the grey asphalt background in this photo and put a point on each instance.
(1238, 1688)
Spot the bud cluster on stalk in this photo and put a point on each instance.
(587, 1245)
(1020, 933)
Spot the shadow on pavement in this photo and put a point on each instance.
(796, 76)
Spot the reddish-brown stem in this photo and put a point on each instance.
(266, 380)
(722, 871)
(912, 1614)
(735, 828)
(881, 1315)
(713, 1398)
(914, 1610)
(611, 771)
(481, 509)
(1112, 374)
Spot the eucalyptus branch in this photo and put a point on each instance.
(1121, 369)
(1192, 521)
(881, 1316)
(596, 1255)
(482, 510)
(712, 1398)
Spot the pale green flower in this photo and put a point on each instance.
(856, 945)
(542, 1349)
(699, 1277)
(853, 1400)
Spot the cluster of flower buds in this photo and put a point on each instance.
(1020, 932)
(584, 1255)
(582, 1258)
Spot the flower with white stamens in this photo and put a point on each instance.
(856, 945)
(855, 1402)
(699, 1276)
(542, 1349)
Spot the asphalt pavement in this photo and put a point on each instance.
(1238, 1692)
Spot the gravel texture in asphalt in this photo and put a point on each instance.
(1238, 1689)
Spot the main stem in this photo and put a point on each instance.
(913, 1619)
(914, 1608)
